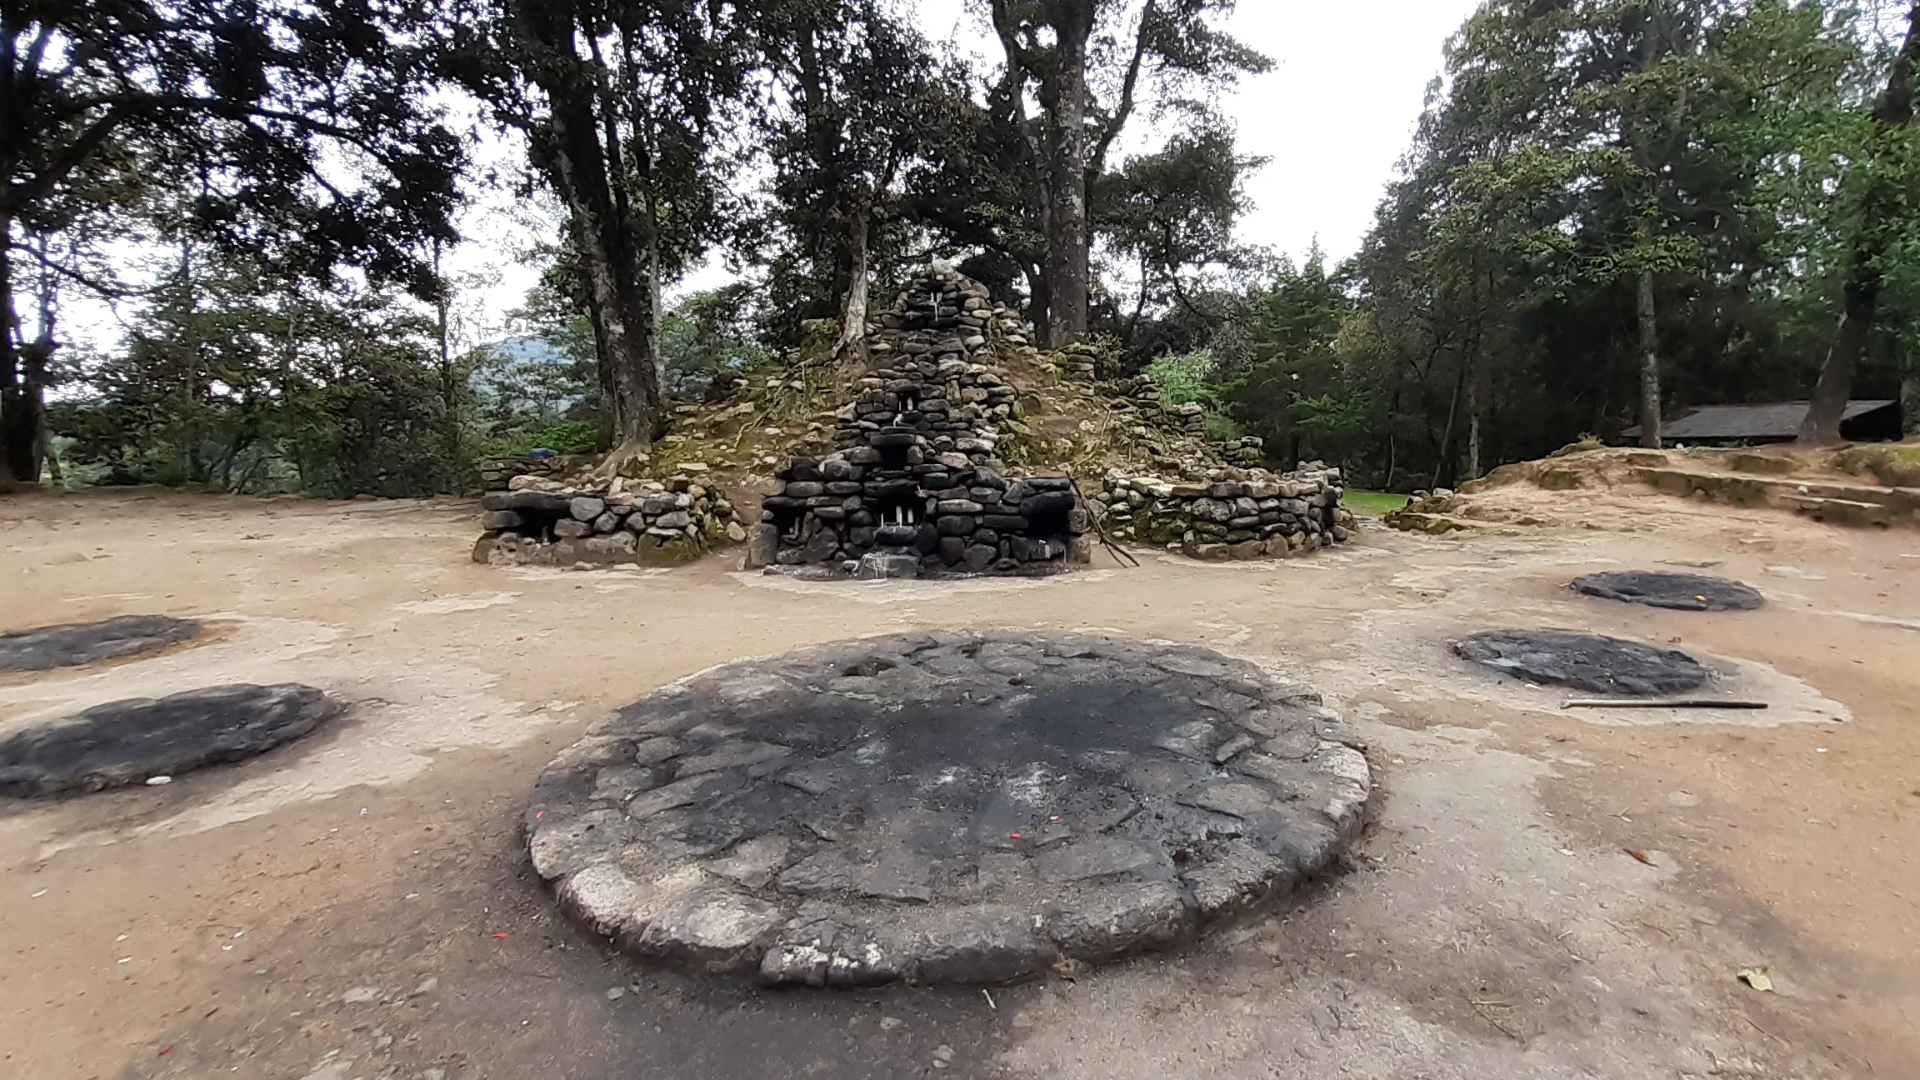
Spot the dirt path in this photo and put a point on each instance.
(331, 911)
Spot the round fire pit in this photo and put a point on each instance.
(1681, 592)
(133, 741)
(73, 644)
(1602, 665)
(953, 807)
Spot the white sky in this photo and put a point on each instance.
(1333, 116)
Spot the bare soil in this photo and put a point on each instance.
(1546, 892)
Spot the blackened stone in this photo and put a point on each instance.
(890, 809)
(830, 513)
(1046, 502)
(821, 546)
(1007, 523)
(936, 481)
(861, 518)
(955, 525)
(980, 556)
(1050, 483)
(952, 549)
(805, 489)
(73, 644)
(835, 469)
(986, 536)
(891, 490)
(862, 537)
(763, 544)
(539, 502)
(877, 566)
(127, 742)
(1017, 548)
(896, 535)
(1602, 665)
(497, 500)
(927, 539)
(782, 506)
(845, 487)
(1680, 592)
(863, 455)
(501, 519)
(804, 468)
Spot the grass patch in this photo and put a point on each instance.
(1372, 502)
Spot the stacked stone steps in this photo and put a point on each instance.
(1836, 502)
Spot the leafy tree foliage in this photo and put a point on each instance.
(301, 129)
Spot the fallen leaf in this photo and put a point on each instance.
(1641, 855)
(1757, 978)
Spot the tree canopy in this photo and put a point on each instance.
(1611, 210)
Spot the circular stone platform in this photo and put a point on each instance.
(953, 807)
(127, 742)
(73, 644)
(1682, 592)
(1590, 662)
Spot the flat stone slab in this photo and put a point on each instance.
(1602, 665)
(1681, 592)
(132, 741)
(946, 807)
(73, 644)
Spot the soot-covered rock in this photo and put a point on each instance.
(128, 742)
(72, 644)
(1681, 592)
(950, 807)
(1602, 665)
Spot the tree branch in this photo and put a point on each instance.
(1097, 160)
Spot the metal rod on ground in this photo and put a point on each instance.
(1100, 529)
(1702, 703)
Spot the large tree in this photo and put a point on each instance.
(857, 102)
(1083, 62)
(301, 127)
(1883, 184)
(620, 104)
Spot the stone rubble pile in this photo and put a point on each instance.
(915, 484)
(1261, 514)
(543, 522)
(1248, 452)
(1077, 361)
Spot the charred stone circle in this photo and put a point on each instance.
(951, 807)
(1602, 665)
(73, 644)
(128, 742)
(1681, 592)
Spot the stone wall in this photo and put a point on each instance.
(915, 485)
(1245, 515)
(651, 522)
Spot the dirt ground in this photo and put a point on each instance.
(358, 905)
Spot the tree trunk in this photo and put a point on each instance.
(1649, 364)
(1039, 305)
(622, 289)
(1444, 464)
(21, 386)
(1861, 293)
(853, 322)
(1067, 233)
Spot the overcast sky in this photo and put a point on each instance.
(1333, 116)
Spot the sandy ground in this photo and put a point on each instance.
(359, 905)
